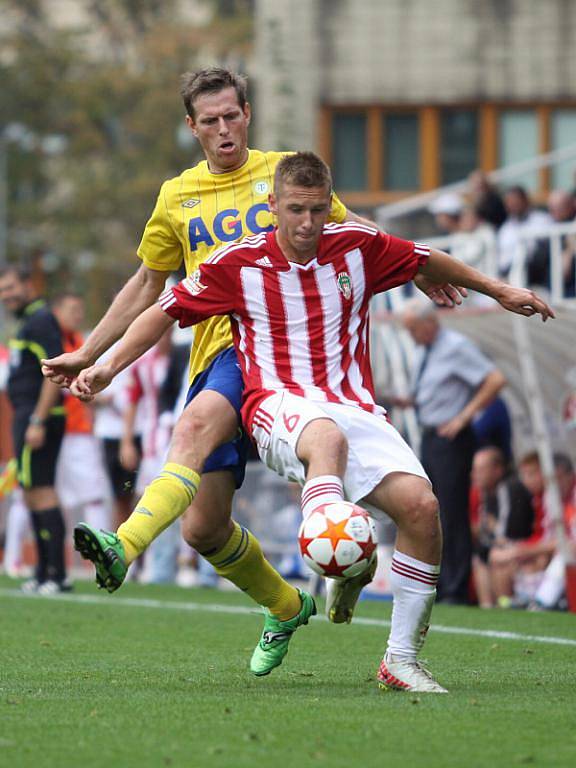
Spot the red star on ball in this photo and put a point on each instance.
(335, 532)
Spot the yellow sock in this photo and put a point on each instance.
(164, 500)
(242, 562)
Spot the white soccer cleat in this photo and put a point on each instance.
(403, 675)
(342, 595)
(30, 587)
(48, 588)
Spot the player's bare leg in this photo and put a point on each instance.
(410, 502)
(482, 582)
(207, 523)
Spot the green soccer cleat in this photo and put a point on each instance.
(105, 550)
(273, 644)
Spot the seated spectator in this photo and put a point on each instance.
(503, 514)
(521, 219)
(486, 199)
(553, 585)
(521, 566)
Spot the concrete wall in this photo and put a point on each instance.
(407, 51)
(287, 73)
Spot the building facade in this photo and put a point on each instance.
(403, 96)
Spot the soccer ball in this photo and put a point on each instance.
(338, 540)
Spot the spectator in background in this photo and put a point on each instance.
(147, 376)
(452, 381)
(553, 585)
(108, 427)
(519, 567)
(562, 207)
(38, 424)
(501, 511)
(486, 199)
(474, 242)
(521, 219)
(447, 210)
(493, 427)
(81, 476)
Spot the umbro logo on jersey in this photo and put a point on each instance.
(191, 203)
(264, 262)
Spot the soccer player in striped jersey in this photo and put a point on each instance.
(298, 298)
(216, 202)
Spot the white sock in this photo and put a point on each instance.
(321, 490)
(414, 590)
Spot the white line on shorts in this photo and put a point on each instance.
(135, 602)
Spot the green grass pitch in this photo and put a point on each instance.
(157, 676)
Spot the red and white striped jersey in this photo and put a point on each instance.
(146, 378)
(301, 328)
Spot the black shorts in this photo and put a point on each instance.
(37, 469)
(122, 480)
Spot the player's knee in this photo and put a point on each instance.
(202, 535)
(422, 515)
(191, 425)
(191, 439)
(327, 440)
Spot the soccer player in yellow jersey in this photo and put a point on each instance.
(219, 200)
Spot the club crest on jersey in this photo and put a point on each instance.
(193, 284)
(345, 285)
(261, 187)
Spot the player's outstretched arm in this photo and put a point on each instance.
(144, 332)
(442, 294)
(141, 290)
(441, 267)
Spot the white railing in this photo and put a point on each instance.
(480, 250)
(555, 234)
(394, 348)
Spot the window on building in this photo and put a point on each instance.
(458, 144)
(518, 141)
(349, 151)
(401, 156)
(563, 134)
(378, 152)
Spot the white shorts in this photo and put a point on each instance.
(81, 475)
(375, 448)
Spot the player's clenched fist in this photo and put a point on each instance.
(90, 381)
(62, 369)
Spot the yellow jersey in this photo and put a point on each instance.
(199, 211)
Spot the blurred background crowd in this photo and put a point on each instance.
(464, 138)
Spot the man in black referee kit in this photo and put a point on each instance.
(38, 425)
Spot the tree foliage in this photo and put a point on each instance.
(106, 86)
